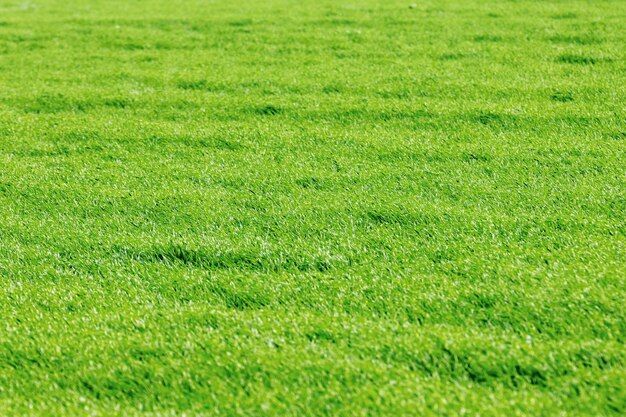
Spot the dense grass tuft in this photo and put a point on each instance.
(577, 59)
(562, 97)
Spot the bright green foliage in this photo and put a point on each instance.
(315, 207)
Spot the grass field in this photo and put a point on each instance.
(301, 208)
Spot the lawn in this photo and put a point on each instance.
(306, 208)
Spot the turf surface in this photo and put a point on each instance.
(312, 208)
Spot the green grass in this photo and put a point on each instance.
(312, 208)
